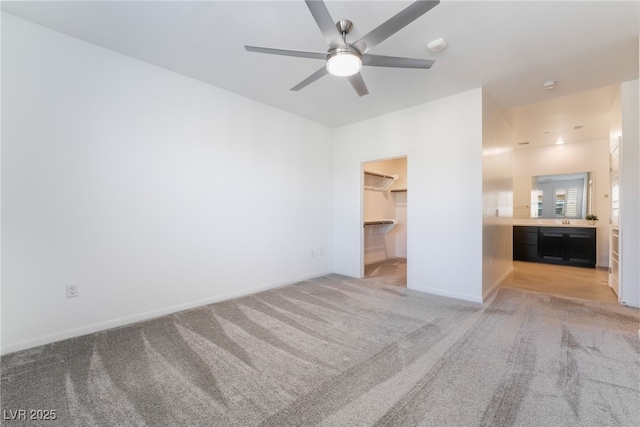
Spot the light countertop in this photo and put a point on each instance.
(583, 223)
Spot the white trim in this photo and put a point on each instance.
(127, 320)
(497, 284)
(440, 292)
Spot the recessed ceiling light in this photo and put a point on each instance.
(578, 127)
(437, 45)
(560, 142)
(547, 133)
(548, 85)
(523, 143)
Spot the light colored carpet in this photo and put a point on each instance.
(344, 352)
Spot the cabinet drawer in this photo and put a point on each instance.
(525, 253)
(524, 229)
(525, 238)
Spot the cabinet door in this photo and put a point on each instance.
(552, 246)
(581, 249)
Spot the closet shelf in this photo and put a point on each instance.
(381, 222)
(385, 225)
(399, 196)
(378, 181)
(380, 175)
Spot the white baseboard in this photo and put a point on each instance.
(126, 320)
(444, 293)
(497, 284)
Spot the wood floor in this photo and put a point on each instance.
(575, 282)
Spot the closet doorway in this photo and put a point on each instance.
(384, 213)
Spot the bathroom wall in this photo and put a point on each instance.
(497, 197)
(587, 156)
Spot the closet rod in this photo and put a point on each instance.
(379, 175)
(378, 222)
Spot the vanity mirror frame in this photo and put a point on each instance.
(561, 196)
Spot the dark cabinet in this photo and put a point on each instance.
(552, 244)
(555, 245)
(525, 243)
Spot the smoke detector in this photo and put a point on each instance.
(437, 45)
(548, 85)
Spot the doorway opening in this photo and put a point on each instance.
(384, 211)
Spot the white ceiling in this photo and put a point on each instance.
(509, 47)
(584, 116)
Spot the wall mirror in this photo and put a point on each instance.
(568, 195)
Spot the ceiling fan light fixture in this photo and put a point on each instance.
(344, 62)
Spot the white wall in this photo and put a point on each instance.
(630, 196)
(443, 141)
(497, 197)
(1, 184)
(588, 156)
(378, 245)
(151, 191)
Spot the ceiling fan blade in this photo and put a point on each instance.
(358, 84)
(396, 62)
(396, 23)
(360, 46)
(326, 24)
(312, 78)
(287, 52)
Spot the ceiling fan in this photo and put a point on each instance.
(346, 59)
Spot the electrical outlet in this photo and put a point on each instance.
(321, 252)
(313, 254)
(72, 291)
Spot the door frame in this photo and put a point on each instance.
(409, 213)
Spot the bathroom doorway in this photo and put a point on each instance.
(384, 213)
